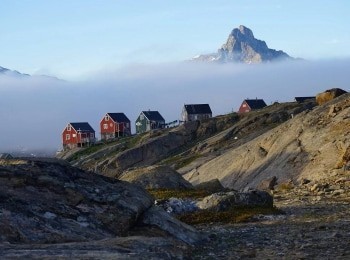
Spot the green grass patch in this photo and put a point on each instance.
(234, 215)
(180, 161)
(181, 194)
(86, 151)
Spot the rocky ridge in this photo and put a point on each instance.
(242, 47)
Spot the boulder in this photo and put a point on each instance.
(225, 200)
(328, 95)
(268, 184)
(211, 186)
(156, 177)
(157, 217)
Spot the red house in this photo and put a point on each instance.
(114, 125)
(78, 135)
(251, 104)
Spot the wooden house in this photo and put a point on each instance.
(304, 99)
(195, 112)
(114, 125)
(78, 135)
(148, 120)
(251, 104)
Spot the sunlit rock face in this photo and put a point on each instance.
(242, 47)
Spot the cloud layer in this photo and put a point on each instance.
(34, 111)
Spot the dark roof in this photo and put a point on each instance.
(119, 117)
(153, 116)
(303, 99)
(255, 103)
(198, 109)
(84, 126)
(6, 156)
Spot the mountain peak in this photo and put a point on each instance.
(242, 47)
(245, 31)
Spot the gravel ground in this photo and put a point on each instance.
(313, 229)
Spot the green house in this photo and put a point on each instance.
(148, 120)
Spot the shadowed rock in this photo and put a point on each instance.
(54, 203)
(156, 177)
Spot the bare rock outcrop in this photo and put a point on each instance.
(222, 201)
(156, 177)
(312, 145)
(53, 203)
(328, 95)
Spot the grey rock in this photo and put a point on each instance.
(268, 184)
(37, 206)
(212, 186)
(156, 177)
(243, 47)
(225, 200)
(156, 216)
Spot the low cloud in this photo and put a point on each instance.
(34, 111)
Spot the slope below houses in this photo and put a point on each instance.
(185, 147)
(313, 145)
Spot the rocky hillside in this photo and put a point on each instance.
(241, 46)
(183, 147)
(314, 145)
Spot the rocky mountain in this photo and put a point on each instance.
(11, 73)
(16, 74)
(242, 47)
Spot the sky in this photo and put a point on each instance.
(128, 56)
(72, 39)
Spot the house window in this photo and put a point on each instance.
(111, 124)
(105, 126)
(127, 125)
(106, 118)
(69, 128)
(92, 135)
(74, 135)
(141, 117)
(67, 137)
(244, 105)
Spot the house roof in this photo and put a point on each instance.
(6, 156)
(198, 109)
(255, 103)
(83, 126)
(119, 117)
(153, 116)
(303, 99)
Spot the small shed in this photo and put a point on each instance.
(304, 99)
(149, 120)
(114, 125)
(194, 112)
(79, 134)
(251, 104)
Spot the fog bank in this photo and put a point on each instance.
(33, 112)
